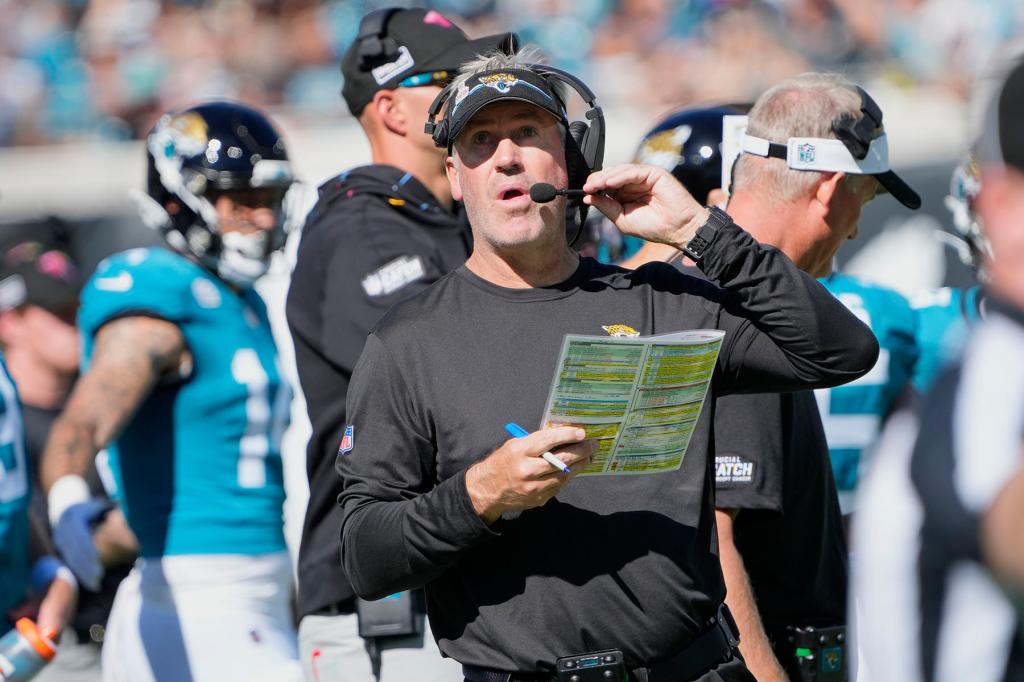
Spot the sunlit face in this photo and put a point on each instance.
(498, 156)
(844, 214)
(51, 337)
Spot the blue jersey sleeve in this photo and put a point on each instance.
(137, 282)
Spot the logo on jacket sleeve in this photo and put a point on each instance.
(392, 276)
(733, 469)
(347, 441)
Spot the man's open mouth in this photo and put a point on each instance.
(512, 193)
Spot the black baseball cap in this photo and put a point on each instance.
(38, 273)
(395, 43)
(488, 87)
(1002, 137)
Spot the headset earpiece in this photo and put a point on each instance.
(584, 141)
(438, 130)
(856, 134)
(575, 162)
(375, 46)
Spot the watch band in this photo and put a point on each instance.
(706, 233)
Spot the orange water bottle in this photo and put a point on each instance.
(25, 650)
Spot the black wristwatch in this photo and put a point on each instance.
(706, 233)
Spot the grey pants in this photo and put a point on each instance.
(331, 650)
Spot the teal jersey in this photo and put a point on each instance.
(14, 498)
(198, 468)
(852, 414)
(944, 318)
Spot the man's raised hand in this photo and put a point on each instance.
(646, 202)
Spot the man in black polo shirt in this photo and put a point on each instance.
(377, 234)
(780, 528)
(522, 564)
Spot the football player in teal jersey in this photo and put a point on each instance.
(19, 575)
(946, 315)
(853, 414)
(181, 380)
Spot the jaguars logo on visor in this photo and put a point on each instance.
(502, 82)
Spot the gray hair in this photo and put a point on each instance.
(802, 106)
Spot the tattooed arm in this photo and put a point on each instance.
(130, 356)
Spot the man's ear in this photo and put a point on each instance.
(389, 111)
(825, 192)
(453, 176)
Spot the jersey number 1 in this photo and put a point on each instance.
(264, 423)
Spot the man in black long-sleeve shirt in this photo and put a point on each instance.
(521, 566)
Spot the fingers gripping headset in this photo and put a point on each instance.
(584, 141)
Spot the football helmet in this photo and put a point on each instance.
(688, 144)
(214, 148)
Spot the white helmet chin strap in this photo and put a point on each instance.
(822, 154)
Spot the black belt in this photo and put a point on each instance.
(716, 645)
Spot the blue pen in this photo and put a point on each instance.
(517, 431)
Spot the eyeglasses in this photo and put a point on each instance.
(439, 78)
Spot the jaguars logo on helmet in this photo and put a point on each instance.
(688, 144)
(211, 148)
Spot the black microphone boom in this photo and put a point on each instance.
(543, 192)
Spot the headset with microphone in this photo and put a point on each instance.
(584, 142)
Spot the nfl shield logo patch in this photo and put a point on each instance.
(347, 441)
(805, 153)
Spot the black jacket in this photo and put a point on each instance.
(375, 236)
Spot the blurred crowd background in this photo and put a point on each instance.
(82, 81)
(74, 70)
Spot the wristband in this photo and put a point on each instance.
(48, 568)
(64, 573)
(70, 489)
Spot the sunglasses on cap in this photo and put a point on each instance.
(438, 78)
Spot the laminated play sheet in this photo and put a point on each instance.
(639, 396)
